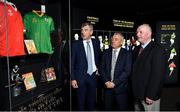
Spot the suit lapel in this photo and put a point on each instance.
(144, 53)
(94, 49)
(109, 60)
(119, 58)
(83, 53)
(147, 48)
(119, 55)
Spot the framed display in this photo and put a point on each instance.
(50, 74)
(29, 81)
(31, 48)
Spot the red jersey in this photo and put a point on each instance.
(15, 34)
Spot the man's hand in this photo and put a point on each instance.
(149, 101)
(97, 73)
(74, 84)
(109, 84)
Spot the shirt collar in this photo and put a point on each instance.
(118, 49)
(85, 41)
(143, 46)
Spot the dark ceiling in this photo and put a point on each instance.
(130, 7)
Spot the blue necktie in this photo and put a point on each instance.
(89, 59)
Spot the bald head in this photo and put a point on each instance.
(144, 33)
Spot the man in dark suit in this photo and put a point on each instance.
(115, 70)
(149, 71)
(84, 66)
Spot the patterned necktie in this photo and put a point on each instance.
(140, 51)
(89, 59)
(113, 63)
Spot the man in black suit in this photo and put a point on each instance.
(115, 70)
(149, 71)
(84, 66)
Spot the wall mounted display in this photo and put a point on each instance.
(167, 34)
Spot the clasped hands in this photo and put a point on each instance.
(110, 84)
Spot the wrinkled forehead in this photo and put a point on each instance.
(85, 27)
(118, 36)
(144, 28)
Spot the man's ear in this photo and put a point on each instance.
(149, 34)
(91, 32)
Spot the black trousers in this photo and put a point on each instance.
(86, 93)
(117, 102)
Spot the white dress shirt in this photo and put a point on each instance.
(92, 52)
(117, 52)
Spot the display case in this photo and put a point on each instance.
(32, 67)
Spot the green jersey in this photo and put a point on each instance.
(38, 28)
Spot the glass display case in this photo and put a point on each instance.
(31, 45)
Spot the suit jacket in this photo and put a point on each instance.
(149, 71)
(121, 72)
(79, 64)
